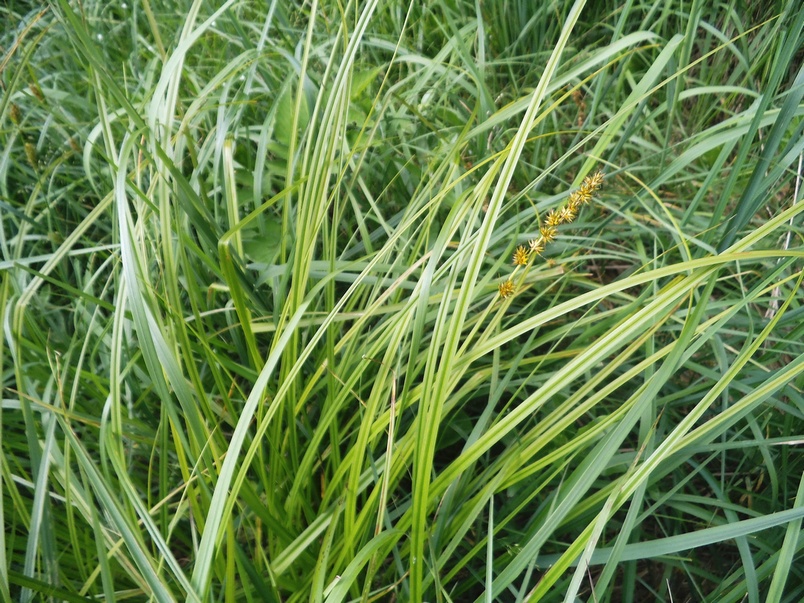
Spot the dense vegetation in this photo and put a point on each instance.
(385, 301)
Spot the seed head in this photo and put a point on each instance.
(537, 245)
(553, 218)
(521, 256)
(548, 232)
(584, 196)
(506, 289)
(567, 213)
(592, 183)
(574, 201)
(30, 154)
(16, 114)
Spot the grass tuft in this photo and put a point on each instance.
(382, 301)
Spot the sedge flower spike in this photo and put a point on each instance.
(548, 230)
(506, 288)
(592, 184)
(521, 256)
(567, 214)
(537, 245)
(553, 218)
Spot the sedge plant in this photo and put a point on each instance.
(264, 340)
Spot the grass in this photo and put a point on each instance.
(263, 338)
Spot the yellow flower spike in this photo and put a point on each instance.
(506, 289)
(575, 201)
(521, 256)
(553, 219)
(537, 245)
(592, 183)
(548, 232)
(567, 214)
(583, 196)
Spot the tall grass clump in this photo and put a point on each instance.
(386, 301)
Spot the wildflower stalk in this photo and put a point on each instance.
(523, 256)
